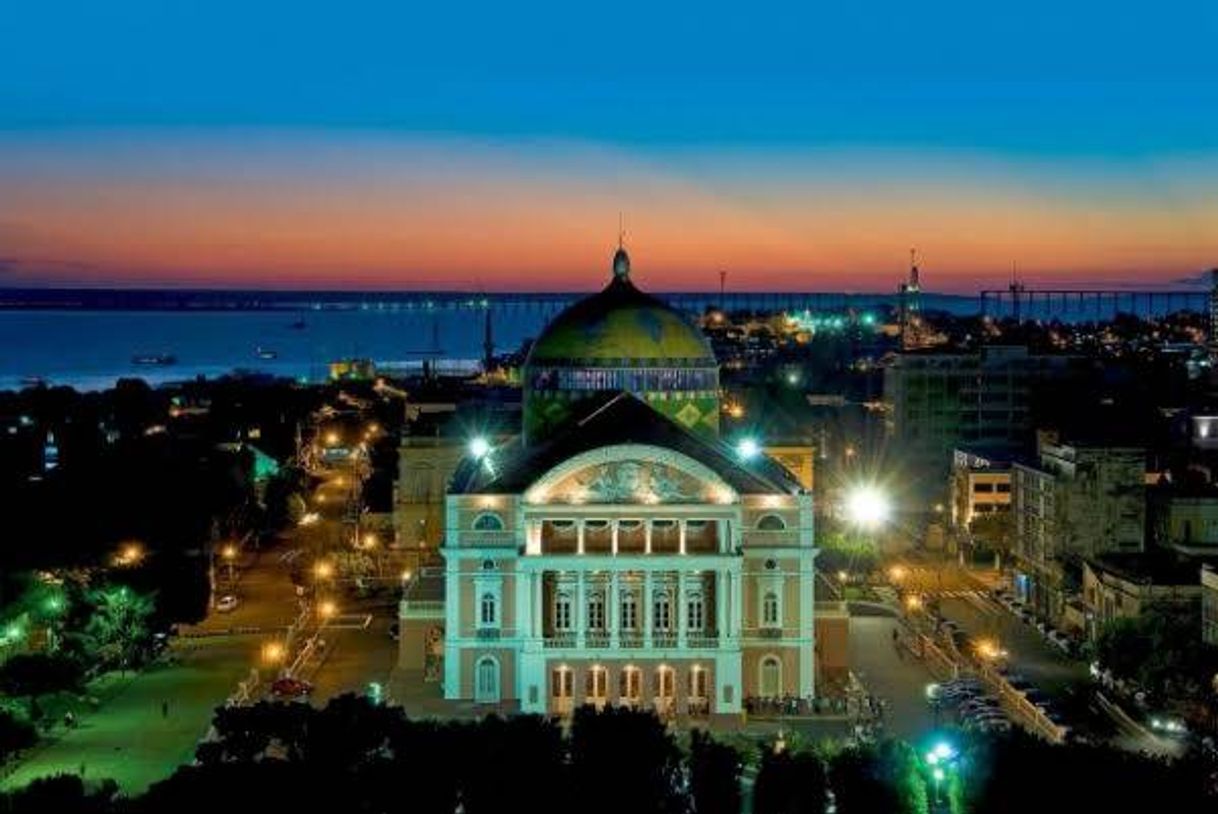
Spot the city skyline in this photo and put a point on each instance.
(155, 145)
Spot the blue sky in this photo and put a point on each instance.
(1095, 96)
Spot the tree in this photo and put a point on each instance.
(117, 633)
(1159, 650)
(714, 775)
(996, 531)
(644, 760)
(33, 675)
(885, 777)
(15, 735)
(790, 784)
(63, 794)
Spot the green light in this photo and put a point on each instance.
(54, 604)
(376, 693)
(938, 773)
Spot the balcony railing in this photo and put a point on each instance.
(631, 640)
(702, 641)
(597, 638)
(559, 641)
(664, 640)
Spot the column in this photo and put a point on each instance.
(721, 604)
(581, 609)
(538, 605)
(682, 611)
(615, 609)
(737, 603)
(613, 538)
(647, 536)
(522, 618)
(579, 536)
(646, 609)
(681, 536)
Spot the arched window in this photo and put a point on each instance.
(562, 611)
(630, 611)
(662, 611)
(769, 610)
(630, 682)
(596, 610)
(697, 682)
(770, 677)
(488, 521)
(696, 611)
(488, 613)
(596, 684)
(771, 522)
(486, 680)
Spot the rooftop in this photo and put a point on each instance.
(618, 418)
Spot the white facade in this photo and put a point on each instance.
(628, 574)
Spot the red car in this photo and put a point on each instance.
(290, 688)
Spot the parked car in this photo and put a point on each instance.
(287, 687)
(227, 603)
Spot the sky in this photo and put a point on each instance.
(472, 146)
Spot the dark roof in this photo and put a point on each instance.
(618, 418)
(1152, 567)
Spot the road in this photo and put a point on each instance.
(1065, 680)
(900, 681)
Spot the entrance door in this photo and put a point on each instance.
(665, 689)
(486, 681)
(562, 688)
(597, 686)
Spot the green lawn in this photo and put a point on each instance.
(128, 738)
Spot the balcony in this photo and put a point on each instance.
(559, 641)
(597, 639)
(702, 641)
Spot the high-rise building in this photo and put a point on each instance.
(1077, 499)
(939, 401)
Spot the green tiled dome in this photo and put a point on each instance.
(624, 326)
(621, 339)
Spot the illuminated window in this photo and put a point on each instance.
(697, 682)
(631, 684)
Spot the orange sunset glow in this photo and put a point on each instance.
(286, 210)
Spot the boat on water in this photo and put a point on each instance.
(298, 325)
(266, 353)
(154, 359)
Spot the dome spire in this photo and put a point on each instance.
(621, 260)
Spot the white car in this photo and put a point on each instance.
(226, 603)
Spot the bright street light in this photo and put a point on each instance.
(327, 609)
(331, 439)
(323, 570)
(747, 449)
(867, 507)
(479, 447)
(273, 652)
(129, 554)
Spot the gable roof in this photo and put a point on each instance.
(617, 418)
